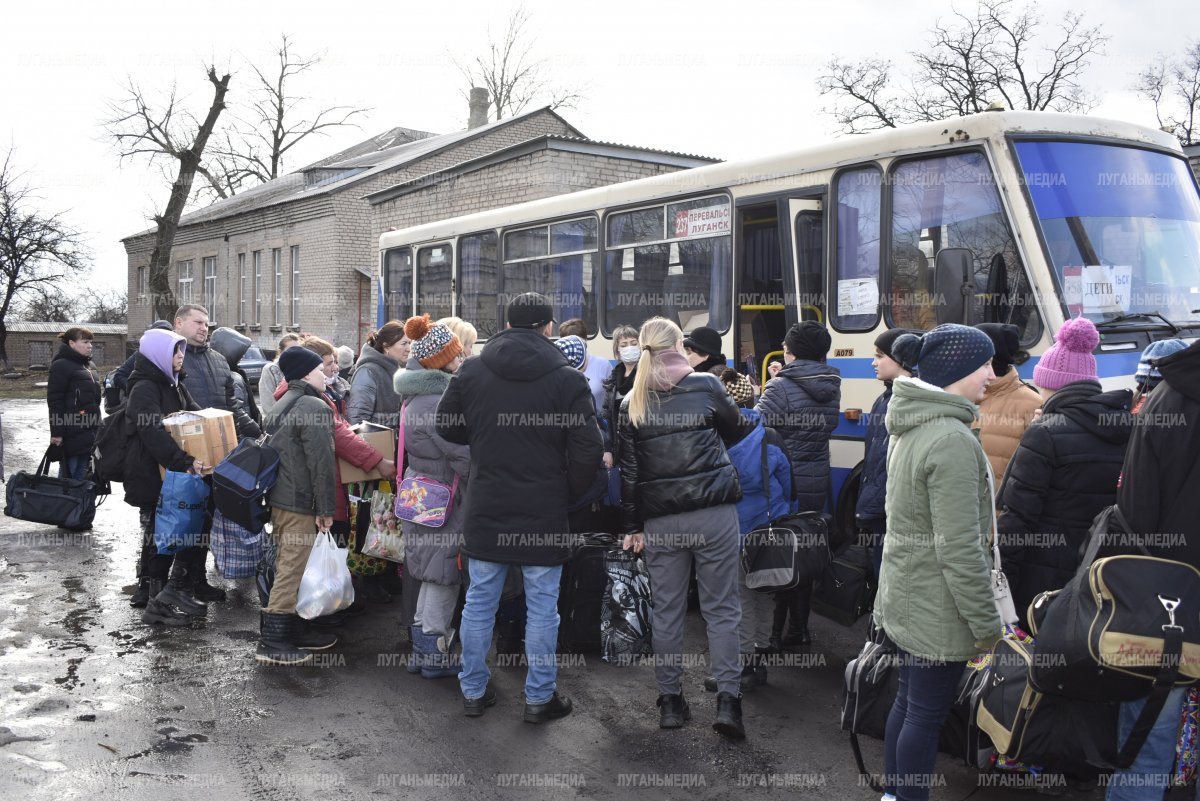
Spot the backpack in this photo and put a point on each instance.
(112, 446)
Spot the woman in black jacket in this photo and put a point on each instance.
(73, 396)
(678, 490)
(156, 390)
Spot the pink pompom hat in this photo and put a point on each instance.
(1070, 358)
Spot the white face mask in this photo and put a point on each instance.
(330, 380)
(630, 354)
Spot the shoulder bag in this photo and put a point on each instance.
(420, 499)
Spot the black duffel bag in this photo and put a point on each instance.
(846, 590)
(1103, 637)
(42, 498)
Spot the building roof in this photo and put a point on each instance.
(383, 141)
(24, 327)
(327, 177)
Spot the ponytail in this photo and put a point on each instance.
(658, 334)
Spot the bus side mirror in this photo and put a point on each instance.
(955, 285)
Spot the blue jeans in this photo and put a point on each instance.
(1150, 774)
(541, 627)
(927, 691)
(73, 466)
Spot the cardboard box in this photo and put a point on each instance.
(208, 434)
(380, 438)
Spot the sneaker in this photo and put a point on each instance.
(729, 716)
(673, 711)
(557, 707)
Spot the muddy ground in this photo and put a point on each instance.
(96, 705)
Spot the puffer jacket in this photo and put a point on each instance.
(1063, 474)
(676, 461)
(1004, 415)
(802, 403)
(431, 554)
(753, 509)
(73, 399)
(304, 438)
(873, 486)
(233, 346)
(210, 382)
(616, 387)
(372, 395)
(935, 591)
(152, 396)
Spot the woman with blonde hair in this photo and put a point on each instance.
(465, 332)
(678, 490)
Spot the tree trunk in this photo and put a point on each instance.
(164, 301)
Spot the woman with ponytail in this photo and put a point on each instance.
(678, 490)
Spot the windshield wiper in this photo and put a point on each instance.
(1121, 318)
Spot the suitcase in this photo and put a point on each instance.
(42, 498)
(581, 594)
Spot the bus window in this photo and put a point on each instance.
(398, 283)
(434, 264)
(478, 283)
(855, 302)
(672, 260)
(952, 202)
(558, 260)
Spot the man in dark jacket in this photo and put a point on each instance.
(1157, 494)
(531, 424)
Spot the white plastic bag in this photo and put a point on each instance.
(325, 587)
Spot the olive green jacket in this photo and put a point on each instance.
(935, 595)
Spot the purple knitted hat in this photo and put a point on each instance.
(1070, 358)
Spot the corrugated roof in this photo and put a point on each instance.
(24, 327)
(383, 141)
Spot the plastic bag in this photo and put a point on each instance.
(626, 612)
(325, 587)
(384, 539)
(179, 519)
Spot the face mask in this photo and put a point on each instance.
(330, 379)
(630, 354)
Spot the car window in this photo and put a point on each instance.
(253, 354)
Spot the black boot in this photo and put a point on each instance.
(275, 643)
(141, 595)
(370, 588)
(178, 589)
(673, 711)
(201, 588)
(798, 606)
(729, 716)
(157, 611)
(307, 638)
(779, 620)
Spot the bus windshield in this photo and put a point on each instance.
(1121, 226)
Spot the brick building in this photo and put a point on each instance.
(301, 252)
(34, 344)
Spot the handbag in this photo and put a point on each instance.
(236, 550)
(420, 499)
(179, 519)
(384, 539)
(41, 498)
(1001, 592)
(846, 590)
(1122, 625)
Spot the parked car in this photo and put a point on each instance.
(253, 363)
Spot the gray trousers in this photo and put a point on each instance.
(708, 538)
(757, 611)
(435, 607)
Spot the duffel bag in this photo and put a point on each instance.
(790, 552)
(1104, 636)
(41, 498)
(241, 483)
(846, 590)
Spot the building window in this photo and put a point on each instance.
(185, 282)
(295, 285)
(39, 352)
(210, 286)
(98, 353)
(257, 287)
(241, 305)
(277, 264)
(141, 282)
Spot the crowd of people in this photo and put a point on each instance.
(681, 457)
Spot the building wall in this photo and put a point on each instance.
(26, 349)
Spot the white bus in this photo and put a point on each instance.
(1019, 217)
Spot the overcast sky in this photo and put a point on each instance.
(722, 79)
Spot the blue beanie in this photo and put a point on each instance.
(298, 362)
(1147, 369)
(573, 348)
(945, 354)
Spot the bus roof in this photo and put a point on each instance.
(846, 150)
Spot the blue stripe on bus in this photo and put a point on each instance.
(1108, 365)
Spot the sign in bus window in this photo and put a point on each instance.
(859, 198)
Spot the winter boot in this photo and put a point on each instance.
(201, 588)
(275, 643)
(673, 711)
(798, 607)
(158, 611)
(420, 646)
(178, 590)
(729, 716)
(141, 595)
(437, 664)
(308, 638)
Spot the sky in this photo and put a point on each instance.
(721, 79)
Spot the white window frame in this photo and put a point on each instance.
(141, 282)
(295, 285)
(258, 287)
(277, 263)
(241, 305)
(210, 286)
(185, 282)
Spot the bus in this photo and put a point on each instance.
(1028, 218)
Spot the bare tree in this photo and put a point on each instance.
(111, 307)
(1173, 85)
(994, 55)
(253, 147)
(512, 75)
(167, 134)
(37, 252)
(50, 304)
